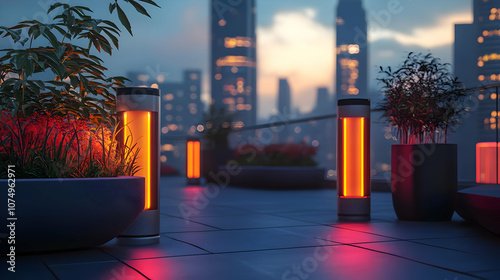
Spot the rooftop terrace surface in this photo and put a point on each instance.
(235, 233)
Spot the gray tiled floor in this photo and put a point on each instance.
(234, 233)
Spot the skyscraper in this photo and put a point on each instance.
(477, 63)
(233, 59)
(323, 103)
(284, 98)
(181, 111)
(351, 50)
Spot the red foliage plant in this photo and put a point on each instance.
(43, 146)
(282, 154)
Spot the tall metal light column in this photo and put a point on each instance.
(138, 109)
(353, 157)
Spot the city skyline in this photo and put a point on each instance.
(302, 30)
(233, 61)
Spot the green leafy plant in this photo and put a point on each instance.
(217, 127)
(64, 126)
(284, 154)
(79, 85)
(422, 99)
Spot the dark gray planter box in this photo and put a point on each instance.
(59, 214)
(276, 177)
(424, 181)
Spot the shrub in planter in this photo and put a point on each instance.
(276, 166)
(423, 102)
(58, 120)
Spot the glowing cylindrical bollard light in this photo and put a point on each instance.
(138, 110)
(193, 161)
(353, 157)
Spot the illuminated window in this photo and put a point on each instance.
(169, 97)
(200, 128)
(297, 129)
(493, 120)
(164, 130)
(493, 77)
(480, 39)
(234, 60)
(163, 158)
(234, 69)
(172, 127)
(142, 78)
(481, 78)
(167, 147)
(218, 76)
(230, 42)
(154, 85)
(222, 22)
(240, 107)
(353, 49)
(340, 21)
(481, 96)
(493, 113)
(480, 64)
(160, 78)
(493, 96)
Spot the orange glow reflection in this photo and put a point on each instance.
(353, 157)
(138, 128)
(486, 163)
(193, 159)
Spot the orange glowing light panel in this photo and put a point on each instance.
(193, 159)
(487, 167)
(138, 130)
(353, 177)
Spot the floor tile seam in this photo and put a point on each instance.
(126, 264)
(367, 232)
(440, 247)
(189, 231)
(420, 262)
(169, 257)
(189, 244)
(191, 221)
(48, 267)
(275, 249)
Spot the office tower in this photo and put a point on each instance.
(233, 59)
(181, 111)
(351, 50)
(477, 63)
(323, 103)
(284, 98)
(464, 58)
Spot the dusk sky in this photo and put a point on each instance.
(295, 39)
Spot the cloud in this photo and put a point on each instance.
(297, 47)
(438, 34)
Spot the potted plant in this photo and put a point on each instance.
(68, 179)
(215, 149)
(423, 102)
(277, 166)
